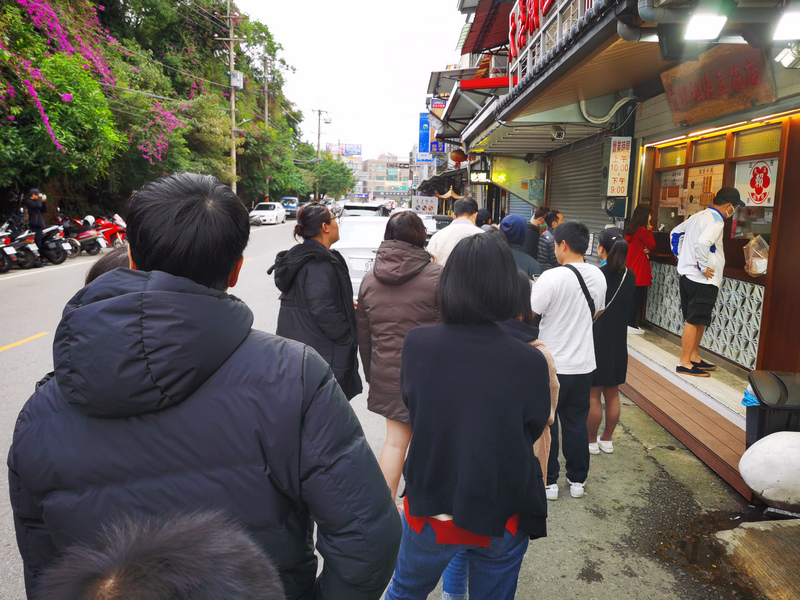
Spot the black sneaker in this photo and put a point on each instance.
(705, 366)
(694, 371)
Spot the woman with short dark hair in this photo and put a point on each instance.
(398, 294)
(472, 481)
(317, 295)
(610, 339)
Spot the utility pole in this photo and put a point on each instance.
(266, 102)
(319, 151)
(233, 97)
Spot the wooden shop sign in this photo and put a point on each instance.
(726, 79)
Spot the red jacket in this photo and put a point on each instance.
(637, 261)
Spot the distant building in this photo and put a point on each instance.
(384, 177)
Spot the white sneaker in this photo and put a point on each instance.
(594, 448)
(551, 491)
(605, 446)
(576, 489)
(635, 331)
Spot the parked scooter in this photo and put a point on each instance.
(54, 246)
(84, 236)
(114, 230)
(8, 255)
(22, 242)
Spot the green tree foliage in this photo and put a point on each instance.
(120, 94)
(332, 177)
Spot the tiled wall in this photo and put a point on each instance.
(737, 314)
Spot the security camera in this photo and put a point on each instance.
(557, 132)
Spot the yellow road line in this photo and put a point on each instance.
(33, 337)
(246, 259)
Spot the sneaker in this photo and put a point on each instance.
(605, 446)
(576, 489)
(635, 330)
(705, 366)
(551, 491)
(594, 448)
(694, 371)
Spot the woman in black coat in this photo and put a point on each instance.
(317, 296)
(610, 339)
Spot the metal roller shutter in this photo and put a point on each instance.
(577, 187)
(518, 206)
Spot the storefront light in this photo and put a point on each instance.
(776, 115)
(704, 26)
(713, 129)
(662, 142)
(788, 28)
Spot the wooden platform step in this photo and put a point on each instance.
(711, 437)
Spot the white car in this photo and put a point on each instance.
(365, 209)
(268, 213)
(359, 238)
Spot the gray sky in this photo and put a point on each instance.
(366, 62)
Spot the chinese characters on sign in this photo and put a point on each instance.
(423, 205)
(523, 22)
(619, 166)
(724, 80)
(755, 181)
(479, 177)
(437, 147)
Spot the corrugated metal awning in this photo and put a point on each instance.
(490, 27)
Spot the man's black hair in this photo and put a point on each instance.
(479, 283)
(188, 225)
(466, 207)
(575, 233)
(198, 556)
(541, 211)
(551, 217)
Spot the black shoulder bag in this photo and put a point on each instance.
(584, 288)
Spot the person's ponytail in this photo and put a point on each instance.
(612, 240)
(310, 220)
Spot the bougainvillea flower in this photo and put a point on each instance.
(66, 97)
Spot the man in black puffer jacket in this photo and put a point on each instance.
(166, 401)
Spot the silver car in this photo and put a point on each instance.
(359, 239)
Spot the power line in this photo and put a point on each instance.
(118, 87)
(208, 14)
(205, 16)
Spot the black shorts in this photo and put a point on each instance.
(697, 301)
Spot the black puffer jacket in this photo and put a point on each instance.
(165, 400)
(317, 308)
(547, 250)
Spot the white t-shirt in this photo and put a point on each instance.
(697, 243)
(566, 326)
(444, 240)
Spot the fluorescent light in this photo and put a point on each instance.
(680, 137)
(705, 131)
(704, 26)
(776, 115)
(788, 28)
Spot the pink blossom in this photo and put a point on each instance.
(66, 97)
(10, 118)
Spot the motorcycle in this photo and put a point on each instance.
(54, 247)
(23, 243)
(83, 236)
(8, 255)
(114, 230)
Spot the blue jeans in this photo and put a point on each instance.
(493, 571)
(455, 578)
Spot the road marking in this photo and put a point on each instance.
(246, 259)
(48, 269)
(33, 337)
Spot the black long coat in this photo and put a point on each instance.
(165, 400)
(317, 308)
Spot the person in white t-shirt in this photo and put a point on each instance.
(567, 313)
(443, 241)
(697, 244)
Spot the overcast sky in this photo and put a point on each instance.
(366, 62)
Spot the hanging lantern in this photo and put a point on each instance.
(458, 155)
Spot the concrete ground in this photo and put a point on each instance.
(644, 529)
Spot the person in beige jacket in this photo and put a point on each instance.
(443, 241)
(398, 294)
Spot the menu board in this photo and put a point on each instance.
(703, 184)
(671, 183)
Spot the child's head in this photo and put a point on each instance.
(115, 259)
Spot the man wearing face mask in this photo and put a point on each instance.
(697, 244)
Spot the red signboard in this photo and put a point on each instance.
(726, 79)
(524, 21)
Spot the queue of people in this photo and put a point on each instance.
(184, 408)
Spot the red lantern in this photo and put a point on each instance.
(458, 155)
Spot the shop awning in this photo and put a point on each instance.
(490, 27)
(462, 106)
(442, 82)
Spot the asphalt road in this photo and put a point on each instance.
(641, 531)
